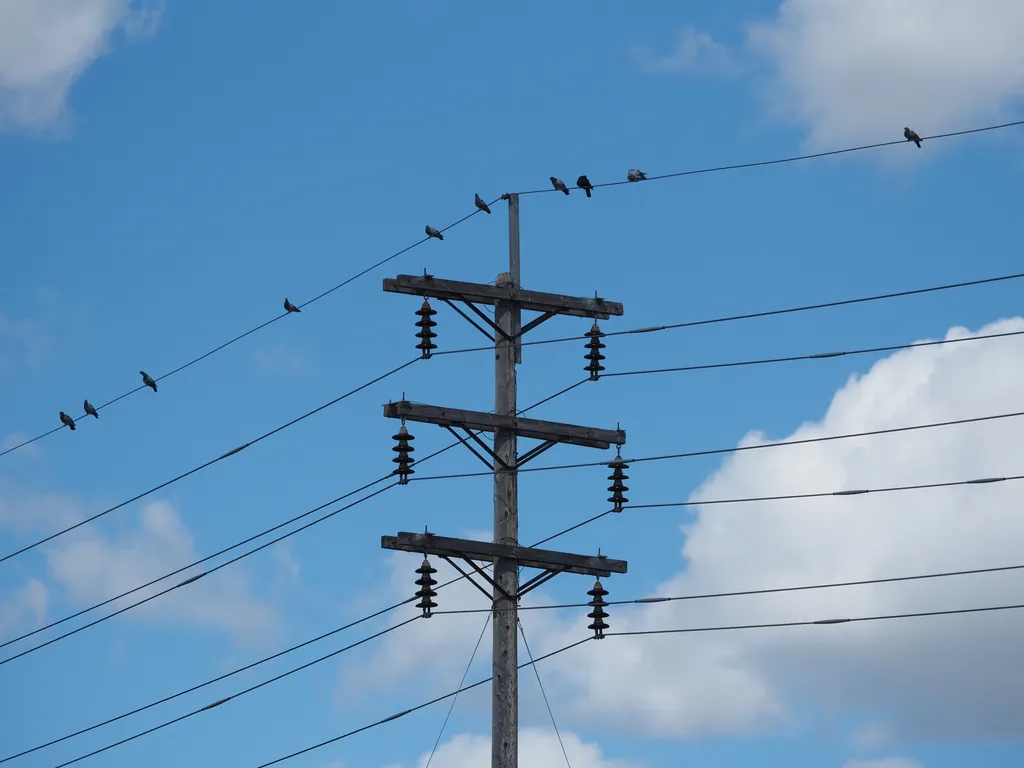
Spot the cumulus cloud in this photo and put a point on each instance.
(859, 70)
(92, 567)
(537, 749)
(45, 45)
(26, 602)
(950, 677)
(695, 53)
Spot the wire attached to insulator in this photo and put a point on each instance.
(403, 460)
(425, 325)
(598, 614)
(426, 592)
(594, 356)
(618, 488)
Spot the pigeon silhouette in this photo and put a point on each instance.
(67, 421)
(584, 183)
(559, 184)
(431, 232)
(910, 135)
(148, 380)
(482, 205)
(90, 410)
(635, 174)
(289, 307)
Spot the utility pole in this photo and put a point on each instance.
(508, 299)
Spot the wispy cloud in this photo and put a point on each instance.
(695, 53)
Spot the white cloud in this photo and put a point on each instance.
(694, 53)
(92, 567)
(45, 45)
(888, 762)
(951, 677)
(28, 601)
(860, 70)
(537, 749)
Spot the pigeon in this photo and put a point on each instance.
(289, 307)
(910, 135)
(584, 183)
(67, 421)
(635, 174)
(482, 205)
(431, 232)
(559, 184)
(148, 380)
(90, 410)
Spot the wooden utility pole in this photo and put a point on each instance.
(508, 299)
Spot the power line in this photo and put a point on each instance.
(756, 315)
(741, 448)
(418, 707)
(543, 693)
(775, 625)
(203, 466)
(250, 689)
(195, 578)
(455, 698)
(208, 682)
(236, 546)
(251, 331)
(816, 356)
(780, 161)
(765, 591)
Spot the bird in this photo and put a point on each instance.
(431, 232)
(148, 380)
(67, 421)
(90, 410)
(635, 174)
(482, 205)
(559, 184)
(289, 307)
(910, 135)
(584, 183)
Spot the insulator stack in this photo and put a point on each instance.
(598, 603)
(618, 488)
(403, 460)
(594, 356)
(425, 324)
(426, 592)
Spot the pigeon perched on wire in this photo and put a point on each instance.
(67, 421)
(148, 380)
(559, 184)
(481, 204)
(90, 410)
(635, 174)
(584, 183)
(910, 135)
(431, 232)
(289, 307)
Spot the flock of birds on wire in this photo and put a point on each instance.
(634, 174)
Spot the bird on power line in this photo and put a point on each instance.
(635, 174)
(289, 307)
(67, 421)
(431, 232)
(584, 183)
(481, 204)
(910, 135)
(90, 410)
(558, 184)
(148, 380)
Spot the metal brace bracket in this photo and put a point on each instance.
(480, 572)
(482, 444)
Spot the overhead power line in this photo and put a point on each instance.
(249, 332)
(755, 315)
(241, 693)
(778, 624)
(195, 578)
(782, 160)
(922, 614)
(209, 463)
(742, 448)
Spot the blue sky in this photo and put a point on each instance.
(174, 171)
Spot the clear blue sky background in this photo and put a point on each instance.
(244, 153)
